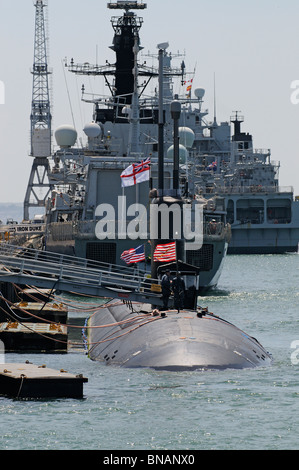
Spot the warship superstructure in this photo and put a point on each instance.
(124, 130)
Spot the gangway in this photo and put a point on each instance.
(43, 269)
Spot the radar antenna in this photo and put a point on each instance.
(40, 118)
(124, 5)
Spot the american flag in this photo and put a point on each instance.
(134, 255)
(165, 252)
(136, 173)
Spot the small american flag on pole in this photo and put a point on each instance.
(165, 252)
(136, 173)
(134, 255)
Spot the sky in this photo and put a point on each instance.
(252, 47)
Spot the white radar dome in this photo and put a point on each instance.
(183, 153)
(187, 136)
(199, 93)
(126, 111)
(66, 136)
(92, 130)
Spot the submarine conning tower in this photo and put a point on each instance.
(126, 30)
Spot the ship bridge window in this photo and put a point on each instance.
(279, 211)
(250, 211)
(243, 145)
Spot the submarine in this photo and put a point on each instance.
(184, 341)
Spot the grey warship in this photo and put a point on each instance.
(123, 131)
(263, 215)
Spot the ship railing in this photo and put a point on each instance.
(285, 189)
(68, 231)
(254, 160)
(71, 278)
(76, 263)
(84, 229)
(252, 189)
(108, 149)
(262, 151)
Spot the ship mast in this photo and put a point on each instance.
(40, 118)
(126, 42)
(126, 30)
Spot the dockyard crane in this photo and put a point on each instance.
(38, 188)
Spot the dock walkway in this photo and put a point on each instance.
(48, 270)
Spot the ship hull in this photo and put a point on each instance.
(263, 224)
(262, 240)
(210, 259)
(177, 342)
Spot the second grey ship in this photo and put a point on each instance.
(264, 217)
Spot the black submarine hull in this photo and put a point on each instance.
(131, 337)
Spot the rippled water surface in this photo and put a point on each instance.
(143, 409)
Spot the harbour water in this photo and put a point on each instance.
(134, 410)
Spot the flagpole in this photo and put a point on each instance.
(161, 123)
(123, 223)
(215, 120)
(175, 114)
(137, 193)
(176, 258)
(154, 243)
